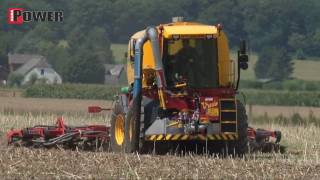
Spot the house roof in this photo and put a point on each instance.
(22, 58)
(113, 69)
(116, 70)
(112, 73)
(37, 61)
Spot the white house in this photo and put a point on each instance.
(48, 75)
(34, 67)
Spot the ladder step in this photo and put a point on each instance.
(228, 122)
(227, 99)
(228, 110)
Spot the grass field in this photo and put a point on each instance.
(303, 69)
(301, 161)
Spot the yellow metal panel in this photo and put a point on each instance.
(159, 137)
(185, 137)
(218, 137)
(168, 31)
(175, 137)
(168, 136)
(153, 137)
(224, 137)
(224, 63)
(148, 60)
(202, 137)
(231, 137)
(130, 72)
(211, 137)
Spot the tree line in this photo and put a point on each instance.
(278, 30)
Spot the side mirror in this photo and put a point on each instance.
(242, 56)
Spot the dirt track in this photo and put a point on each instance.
(19, 104)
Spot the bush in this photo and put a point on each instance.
(75, 91)
(273, 63)
(290, 85)
(300, 54)
(250, 84)
(273, 85)
(15, 79)
(282, 98)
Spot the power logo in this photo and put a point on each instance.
(15, 16)
(20, 16)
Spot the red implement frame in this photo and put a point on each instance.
(93, 136)
(69, 136)
(264, 140)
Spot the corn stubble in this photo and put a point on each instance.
(300, 161)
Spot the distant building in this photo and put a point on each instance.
(113, 73)
(17, 60)
(4, 72)
(33, 66)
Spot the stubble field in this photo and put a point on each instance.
(301, 161)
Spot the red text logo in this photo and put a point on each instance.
(20, 16)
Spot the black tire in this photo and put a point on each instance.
(132, 127)
(130, 131)
(117, 112)
(241, 145)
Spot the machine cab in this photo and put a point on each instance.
(193, 55)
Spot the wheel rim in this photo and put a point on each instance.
(130, 130)
(119, 129)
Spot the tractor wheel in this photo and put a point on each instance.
(241, 145)
(130, 131)
(135, 129)
(117, 135)
(132, 127)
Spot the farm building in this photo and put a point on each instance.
(114, 74)
(33, 67)
(4, 71)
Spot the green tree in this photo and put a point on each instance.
(263, 64)
(15, 79)
(84, 68)
(281, 67)
(273, 63)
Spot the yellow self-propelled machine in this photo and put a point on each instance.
(181, 92)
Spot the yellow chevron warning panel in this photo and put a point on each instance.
(184, 137)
